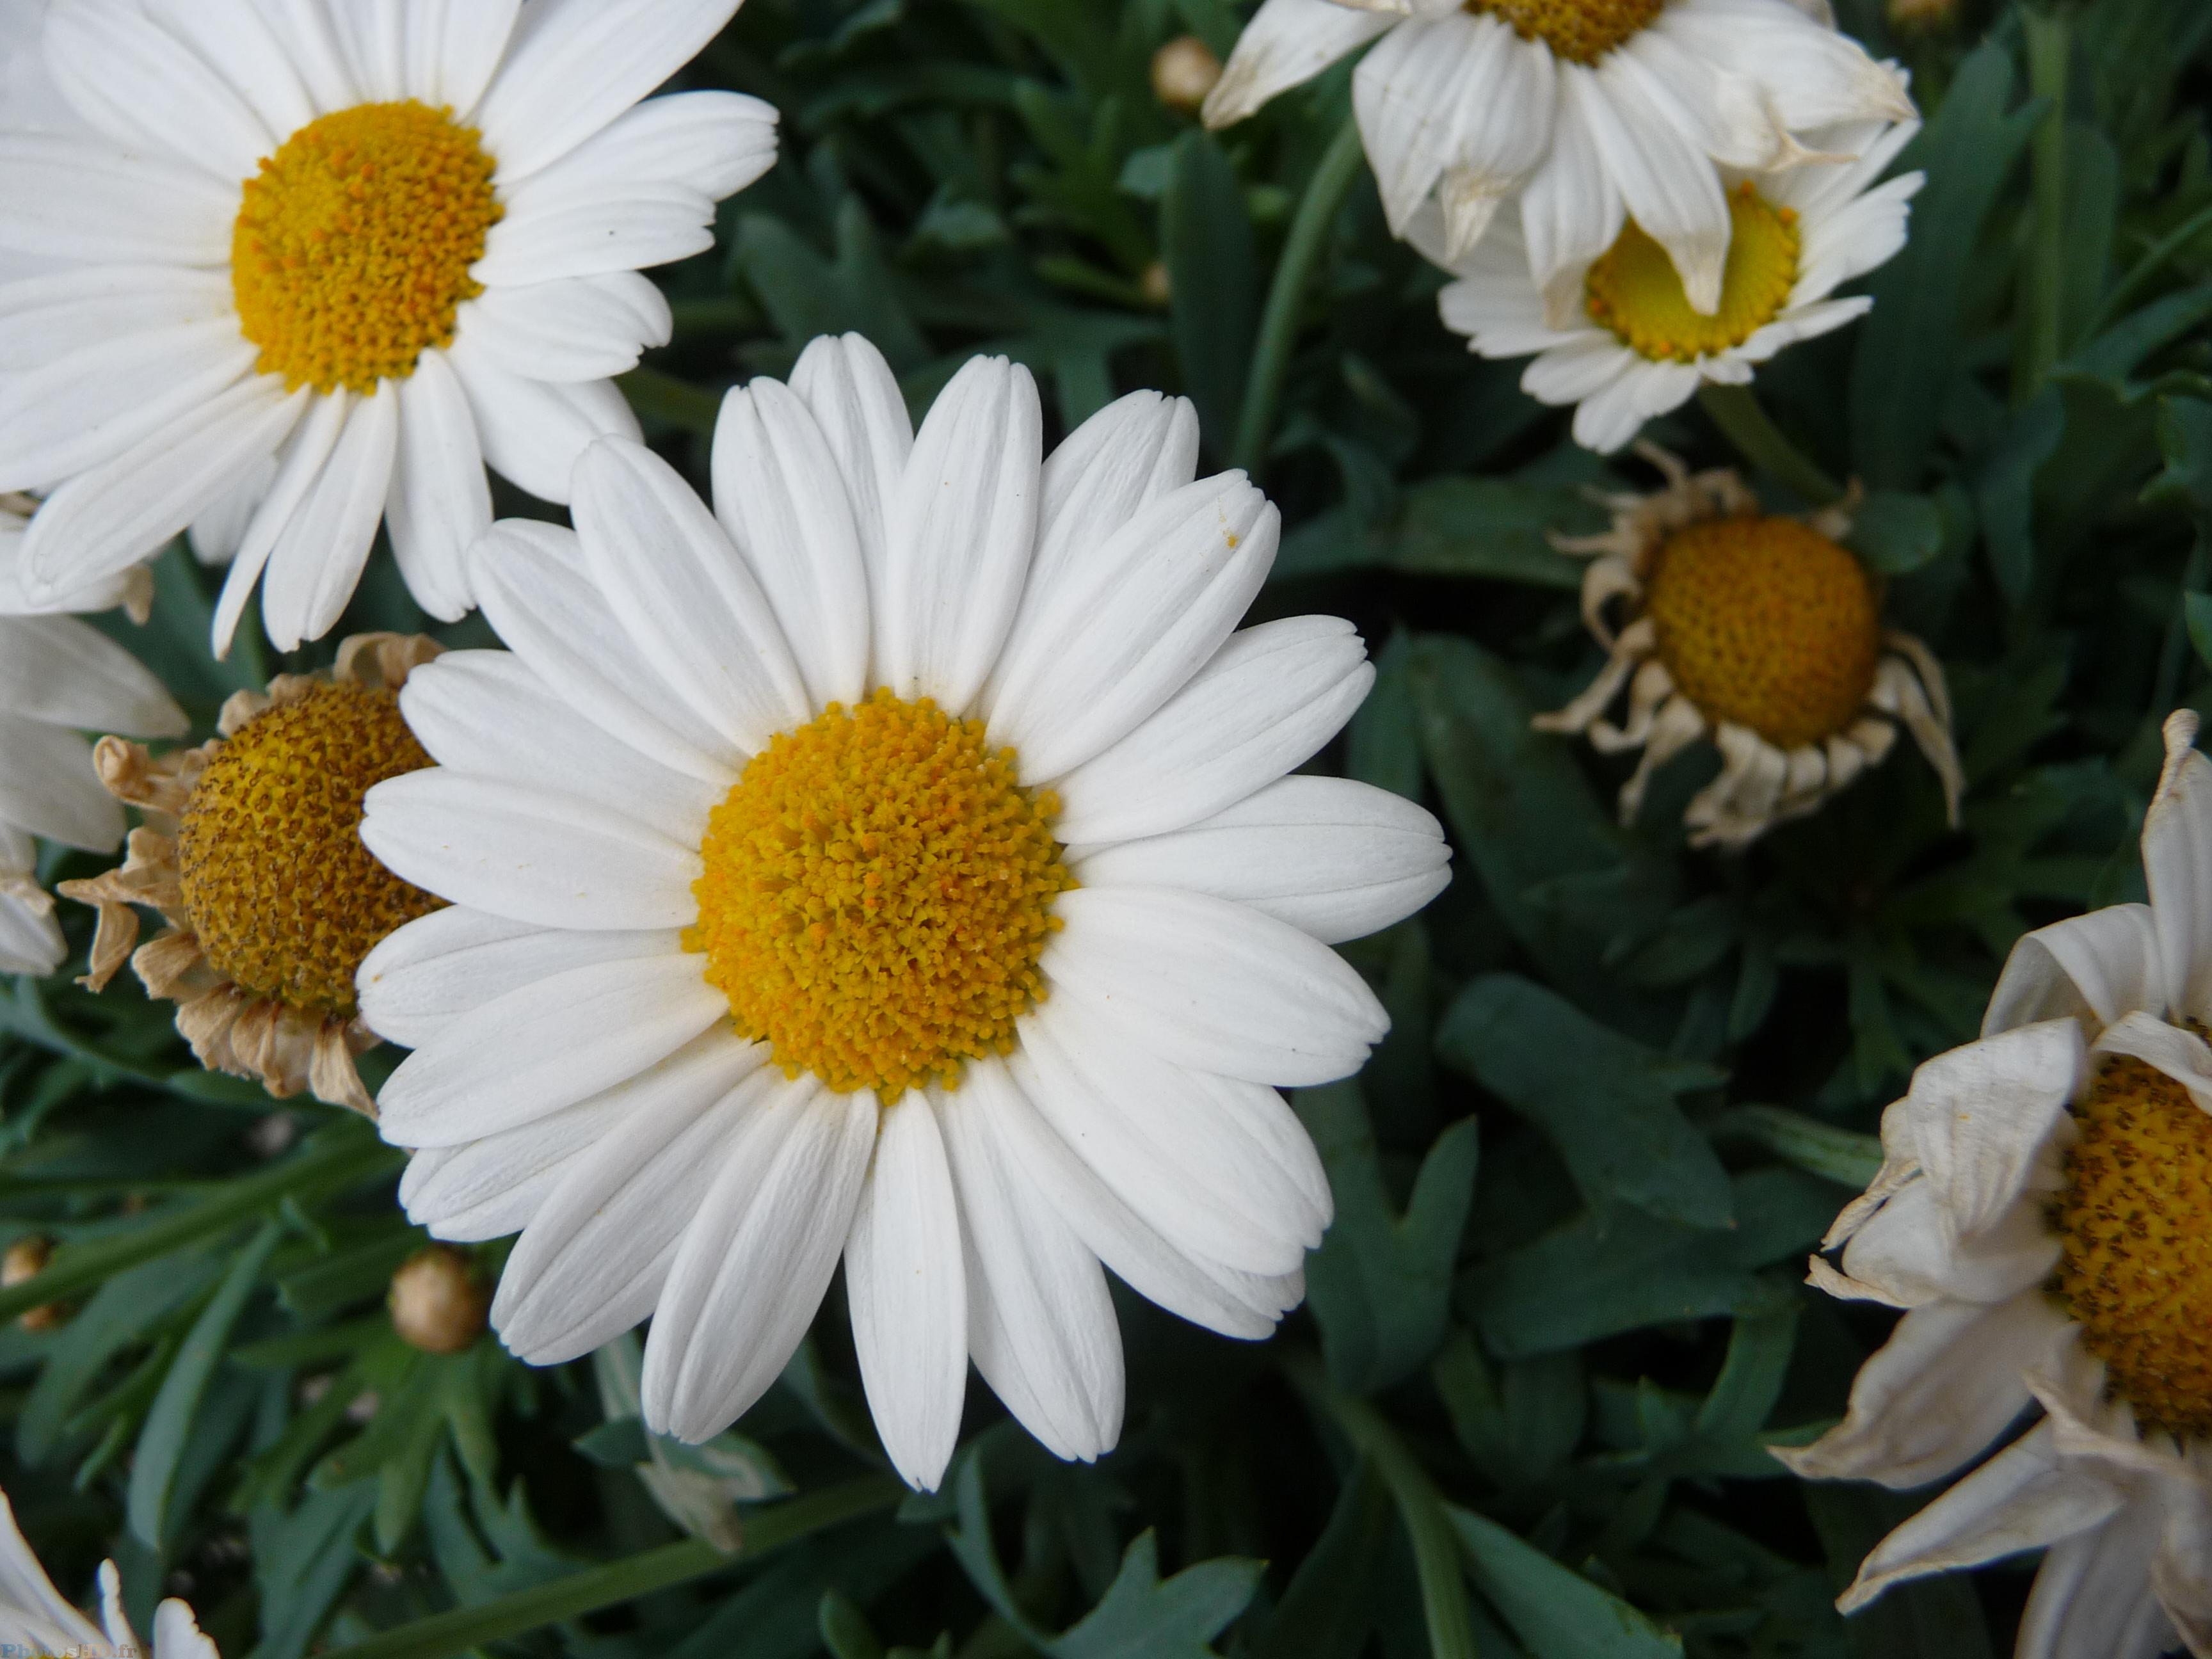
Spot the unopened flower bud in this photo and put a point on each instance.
(1183, 72)
(438, 1304)
(1155, 285)
(26, 1260)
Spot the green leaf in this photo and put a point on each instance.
(162, 1443)
(2185, 438)
(1933, 1617)
(1557, 1612)
(2197, 609)
(1386, 734)
(1379, 1285)
(2004, 493)
(1328, 1608)
(1519, 1434)
(1606, 1102)
(1206, 241)
(122, 1311)
(1141, 1617)
(1895, 532)
(1843, 1156)
(845, 1629)
(305, 1559)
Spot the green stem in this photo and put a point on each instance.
(1746, 423)
(327, 1165)
(626, 1580)
(1420, 1506)
(2050, 46)
(1279, 324)
(2117, 303)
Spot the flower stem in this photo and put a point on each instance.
(2043, 274)
(1279, 324)
(579, 1593)
(1745, 425)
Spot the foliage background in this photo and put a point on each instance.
(1560, 1313)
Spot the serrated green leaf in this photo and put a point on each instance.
(1557, 1612)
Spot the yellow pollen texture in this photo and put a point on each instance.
(1632, 288)
(2135, 1223)
(1582, 31)
(879, 888)
(352, 252)
(283, 897)
(1763, 623)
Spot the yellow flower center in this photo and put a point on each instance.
(1763, 623)
(352, 252)
(1583, 31)
(1633, 288)
(879, 889)
(2135, 1223)
(284, 899)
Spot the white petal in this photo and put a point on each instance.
(59, 670)
(1816, 76)
(1117, 636)
(1336, 859)
(534, 431)
(529, 854)
(320, 558)
(545, 1046)
(755, 1264)
(24, 1584)
(119, 513)
(1213, 986)
(1507, 115)
(1041, 1325)
(423, 977)
(963, 529)
(486, 714)
(583, 328)
(313, 47)
(30, 938)
(1980, 1114)
(84, 199)
(2099, 966)
(1131, 453)
(711, 143)
(1271, 697)
(844, 379)
(576, 65)
(455, 46)
(2025, 1498)
(1909, 1254)
(549, 235)
(780, 495)
(2181, 1055)
(2176, 849)
(1407, 94)
(670, 574)
(45, 319)
(238, 40)
(293, 473)
(1945, 1385)
(48, 787)
(94, 404)
(2093, 1599)
(1571, 210)
(133, 80)
(373, 34)
(907, 1281)
(440, 502)
(1569, 373)
(1668, 185)
(177, 1634)
(1286, 42)
(595, 1258)
(1727, 114)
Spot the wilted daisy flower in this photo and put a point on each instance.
(35, 1620)
(2041, 1211)
(1627, 343)
(319, 263)
(251, 854)
(58, 676)
(1595, 110)
(898, 863)
(1758, 632)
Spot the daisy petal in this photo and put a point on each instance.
(48, 787)
(549, 234)
(1214, 986)
(126, 76)
(1908, 1254)
(1286, 43)
(1131, 453)
(2177, 850)
(313, 47)
(439, 503)
(575, 329)
(1406, 93)
(44, 320)
(1571, 210)
(757, 1258)
(1980, 1114)
(491, 1187)
(961, 530)
(25, 1586)
(297, 468)
(88, 201)
(532, 855)
(713, 143)
(240, 42)
(1271, 697)
(534, 432)
(2093, 1599)
(549, 1045)
(1335, 858)
(1666, 183)
(319, 557)
(373, 35)
(845, 381)
(1040, 1321)
(2099, 966)
(1821, 76)
(63, 671)
(907, 1281)
(463, 50)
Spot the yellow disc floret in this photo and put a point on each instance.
(1582, 31)
(1765, 623)
(283, 897)
(879, 888)
(2134, 1220)
(1633, 289)
(352, 252)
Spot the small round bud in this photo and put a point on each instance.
(1183, 72)
(26, 1260)
(437, 1303)
(1158, 290)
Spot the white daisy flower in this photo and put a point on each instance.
(35, 1620)
(58, 676)
(1594, 110)
(2041, 1211)
(316, 264)
(896, 863)
(1630, 344)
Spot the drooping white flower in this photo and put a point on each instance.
(1592, 111)
(896, 863)
(58, 677)
(2043, 1211)
(1628, 344)
(312, 267)
(35, 1620)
